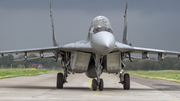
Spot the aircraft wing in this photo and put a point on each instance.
(154, 51)
(80, 46)
(32, 50)
(130, 49)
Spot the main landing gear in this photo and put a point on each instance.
(125, 80)
(61, 79)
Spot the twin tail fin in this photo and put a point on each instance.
(52, 24)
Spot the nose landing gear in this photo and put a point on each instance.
(99, 81)
(95, 84)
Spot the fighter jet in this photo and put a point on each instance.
(98, 53)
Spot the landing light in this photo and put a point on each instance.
(99, 27)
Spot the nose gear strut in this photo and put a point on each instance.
(99, 81)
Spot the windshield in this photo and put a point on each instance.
(101, 21)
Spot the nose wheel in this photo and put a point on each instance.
(101, 85)
(99, 82)
(95, 84)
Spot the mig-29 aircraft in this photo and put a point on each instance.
(98, 53)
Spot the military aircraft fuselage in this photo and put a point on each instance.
(101, 35)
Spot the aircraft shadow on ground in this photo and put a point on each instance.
(87, 88)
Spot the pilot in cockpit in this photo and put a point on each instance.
(101, 23)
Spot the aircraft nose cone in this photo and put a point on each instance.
(107, 46)
(103, 42)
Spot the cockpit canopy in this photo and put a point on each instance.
(101, 21)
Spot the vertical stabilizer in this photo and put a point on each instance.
(53, 34)
(125, 28)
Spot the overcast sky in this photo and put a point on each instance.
(26, 23)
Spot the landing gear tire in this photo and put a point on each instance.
(94, 85)
(101, 85)
(126, 82)
(60, 81)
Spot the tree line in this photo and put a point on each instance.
(8, 61)
(167, 64)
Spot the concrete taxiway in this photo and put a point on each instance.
(43, 87)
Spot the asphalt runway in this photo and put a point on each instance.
(43, 87)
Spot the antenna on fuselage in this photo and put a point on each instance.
(125, 27)
(53, 33)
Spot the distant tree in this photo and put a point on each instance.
(7, 60)
(167, 64)
(32, 55)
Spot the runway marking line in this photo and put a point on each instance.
(90, 80)
(100, 92)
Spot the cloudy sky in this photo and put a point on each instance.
(26, 23)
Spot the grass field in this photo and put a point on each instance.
(8, 73)
(170, 75)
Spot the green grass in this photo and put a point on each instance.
(169, 75)
(9, 73)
